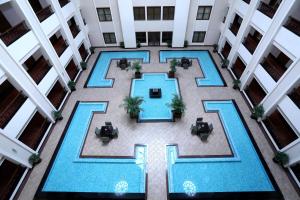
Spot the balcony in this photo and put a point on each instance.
(293, 25)
(44, 13)
(234, 29)
(63, 2)
(255, 92)
(295, 96)
(14, 33)
(83, 52)
(274, 67)
(268, 9)
(57, 95)
(250, 43)
(10, 102)
(34, 131)
(59, 44)
(73, 27)
(279, 129)
(235, 26)
(72, 70)
(238, 68)
(226, 50)
(10, 174)
(37, 69)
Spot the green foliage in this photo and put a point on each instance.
(169, 43)
(186, 43)
(236, 84)
(215, 47)
(258, 112)
(92, 50)
(136, 66)
(72, 85)
(224, 63)
(122, 45)
(177, 105)
(138, 44)
(83, 65)
(173, 65)
(132, 105)
(34, 159)
(57, 115)
(281, 158)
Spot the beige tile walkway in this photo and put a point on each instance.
(155, 135)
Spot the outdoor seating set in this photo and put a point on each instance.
(106, 133)
(202, 129)
(185, 63)
(123, 63)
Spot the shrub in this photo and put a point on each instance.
(236, 84)
(72, 85)
(225, 63)
(186, 43)
(83, 65)
(92, 50)
(34, 159)
(138, 44)
(122, 45)
(57, 115)
(281, 158)
(132, 105)
(257, 112)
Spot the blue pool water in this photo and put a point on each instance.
(155, 109)
(209, 69)
(242, 172)
(70, 173)
(97, 78)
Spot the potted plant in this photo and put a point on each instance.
(215, 48)
(225, 63)
(169, 43)
(257, 112)
(132, 106)
(72, 85)
(172, 71)
(177, 106)
(34, 159)
(83, 65)
(137, 67)
(236, 84)
(57, 115)
(92, 50)
(281, 158)
(186, 43)
(122, 45)
(138, 44)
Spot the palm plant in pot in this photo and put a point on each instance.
(236, 84)
(57, 115)
(83, 65)
(177, 106)
(215, 46)
(257, 112)
(225, 63)
(72, 85)
(172, 71)
(34, 159)
(132, 106)
(137, 67)
(281, 158)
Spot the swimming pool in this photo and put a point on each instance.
(69, 173)
(243, 172)
(98, 74)
(155, 109)
(212, 77)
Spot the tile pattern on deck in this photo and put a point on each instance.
(155, 135)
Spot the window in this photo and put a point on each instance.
(140, 37)
(167, 37)
(153, 13)
(109, 38)
(139, 13)
(199, 36)
(104, 14)
(168, 13)
(203, 12)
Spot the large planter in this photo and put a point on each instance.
(171, 74)
(134, 116)
(138, 75)
(176, 114)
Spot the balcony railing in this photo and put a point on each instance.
(238, 68)
(60, 45)
(267, 10)
(63, 2)
(295, 96)
(273, 67)
(72, 70)
(14, 33)
(34, 131)
(39, 69)
(250, 43)
(74, 30)
(234, 28)
(293, 25)
(280, 130)
(255, 92)
(57, 95)
(44, 13)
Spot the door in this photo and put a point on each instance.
(153, 38)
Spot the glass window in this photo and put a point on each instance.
(203, 12)
(168, 13)
(139, 13)
(153, 13)
(167, 37)
(104, 14)
(199, 36)
(140, 37)
(109, 38)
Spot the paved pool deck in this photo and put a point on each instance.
(155, 135)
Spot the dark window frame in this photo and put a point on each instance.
(153, 17)
(205, 15)
(106, 16)
(138, 15)
(141, 40)
(168, 12)
(200, 36)
(165, 34)
(112, 40)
